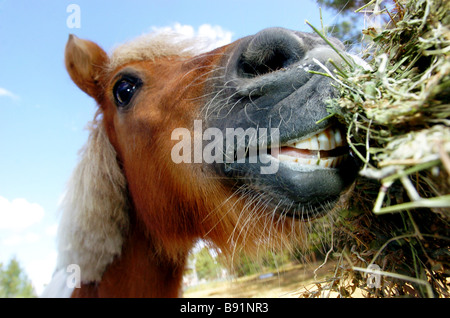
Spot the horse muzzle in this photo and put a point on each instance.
(270, 81)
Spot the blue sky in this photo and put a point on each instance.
(43, 114)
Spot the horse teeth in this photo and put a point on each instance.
(338, 138)
(312, 163)
(314, 143)
(326, 140)
(304, 144)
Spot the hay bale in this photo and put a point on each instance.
(393, 240)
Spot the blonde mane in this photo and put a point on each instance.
(95, 209)
(155, 45)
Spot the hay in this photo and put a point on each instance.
(393, 240)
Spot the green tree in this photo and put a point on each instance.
(14, 283)
(206, 266)
(347, 25)
(267, 261)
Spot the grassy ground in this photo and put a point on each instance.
(288, 282)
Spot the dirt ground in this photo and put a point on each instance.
(288, 282)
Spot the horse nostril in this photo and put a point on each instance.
(270, 60)
(270, 50)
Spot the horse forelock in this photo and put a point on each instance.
(155, 45)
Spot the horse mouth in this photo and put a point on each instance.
(313, 171)
(325, 149)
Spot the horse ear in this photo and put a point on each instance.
(85, 61)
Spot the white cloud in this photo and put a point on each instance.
(40, 271)
(16, 240)
(6, 93)
(219, 36)
(25, 233)
(52, 230)
(214, 35)
(186, 30)
(19, 214)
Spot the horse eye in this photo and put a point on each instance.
(124, 90)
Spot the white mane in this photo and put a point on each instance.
(94, 211)
(157, 44)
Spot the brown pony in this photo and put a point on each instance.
(229, 146)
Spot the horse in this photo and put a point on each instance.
(233, 146)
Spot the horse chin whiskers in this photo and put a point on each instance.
(263, 225)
